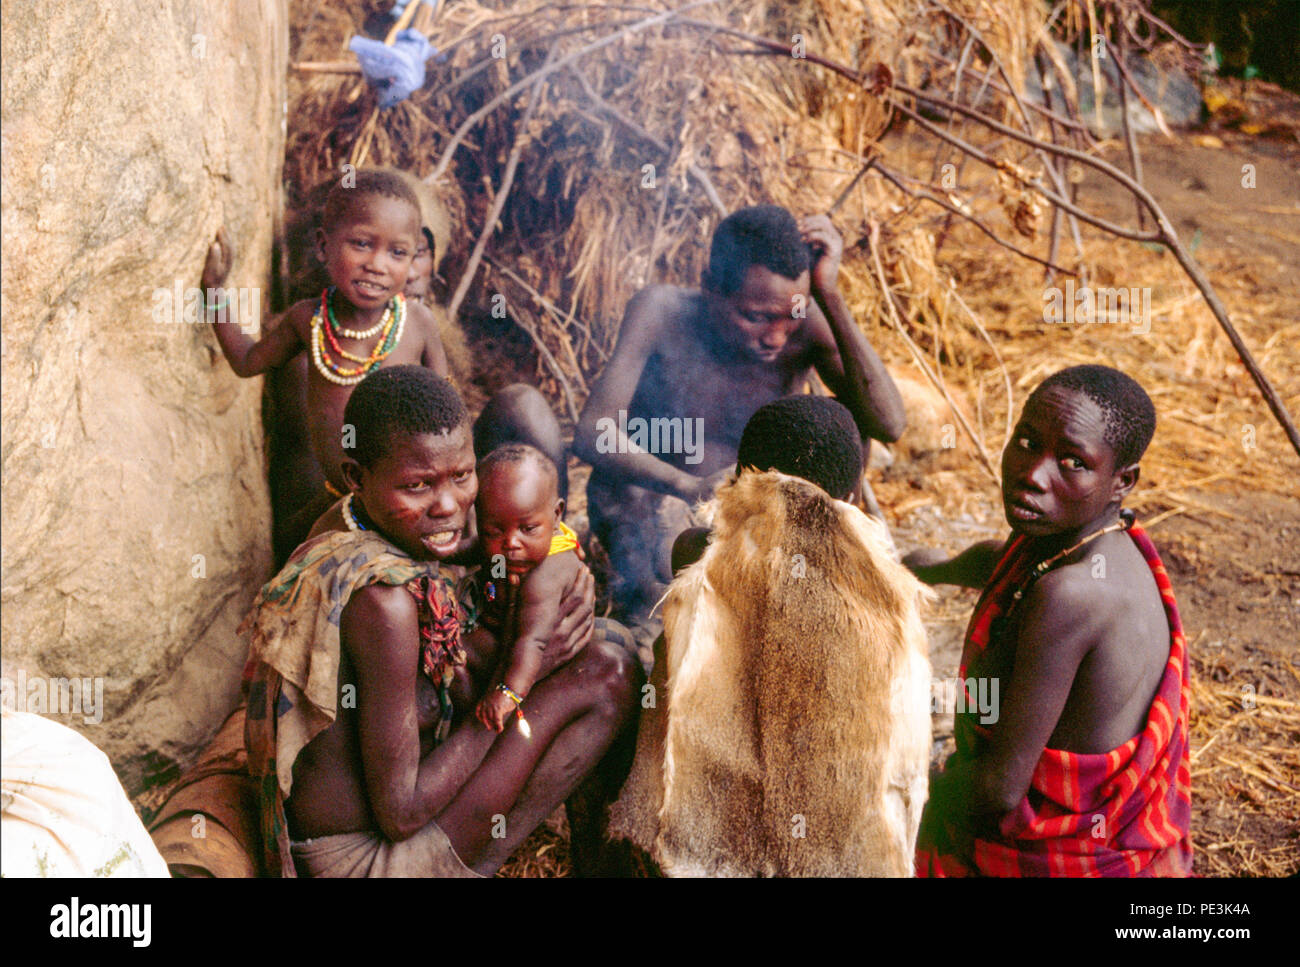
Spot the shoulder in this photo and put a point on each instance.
(331, 520)
(663, 304)
(299, 314)
(1067, 605)
(553, 575)
(421, 316)
(380, 607)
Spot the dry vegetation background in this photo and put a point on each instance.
(560, 163)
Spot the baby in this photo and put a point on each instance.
(532, 565)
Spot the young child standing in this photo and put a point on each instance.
(532, 566)
(369, 235)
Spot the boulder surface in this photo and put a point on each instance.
(135, 515)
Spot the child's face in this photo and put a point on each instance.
(419, 493)
(368, 253)
(761, 316)
(421, 274)
(517, 513)
(1058, 471)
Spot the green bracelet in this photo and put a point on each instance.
(224, 303)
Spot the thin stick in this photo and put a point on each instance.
(1045, 82)
(695, 170)
(1000, 165)
(1093, 54)
(550, 307)
(403, 21)
(895, 180)
(919, 356)
(546, 354)
(1006, 376)
(1130, 142)
(848, 189)
(499, 202)
(1051, 170)
(1045, 111)
(327, 67)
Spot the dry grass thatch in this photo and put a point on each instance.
(581, 228)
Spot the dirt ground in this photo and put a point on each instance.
(1235, 565)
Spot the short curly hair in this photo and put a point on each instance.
(765, 235)
(399, 400)
(813, 437)
(1130, 416)
(515, 454)
(383, 182)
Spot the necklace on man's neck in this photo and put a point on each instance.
(1126, 520)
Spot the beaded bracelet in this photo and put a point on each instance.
(524, 729)
(511, 694)
(225, 302)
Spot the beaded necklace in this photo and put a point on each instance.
(323, 327)
(356, 333)
(349, 518)
(1126, 518)
(1003, 621)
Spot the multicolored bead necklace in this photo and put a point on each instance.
(325, 327)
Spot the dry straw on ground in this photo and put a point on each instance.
(632, 149)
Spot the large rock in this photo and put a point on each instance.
(135, 512)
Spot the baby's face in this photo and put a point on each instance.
(518, 509)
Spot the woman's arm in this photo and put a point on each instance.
(380, 630)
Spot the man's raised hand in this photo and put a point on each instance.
(827, 247)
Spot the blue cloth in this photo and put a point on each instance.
(394, 71)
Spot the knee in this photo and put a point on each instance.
(520, 408)
(613, 677)
(519, 395)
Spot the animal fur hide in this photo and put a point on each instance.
(791, 729)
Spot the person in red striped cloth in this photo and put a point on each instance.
(1082, 768)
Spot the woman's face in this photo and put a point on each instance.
(419, 493)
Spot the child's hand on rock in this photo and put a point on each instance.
(220, 258)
